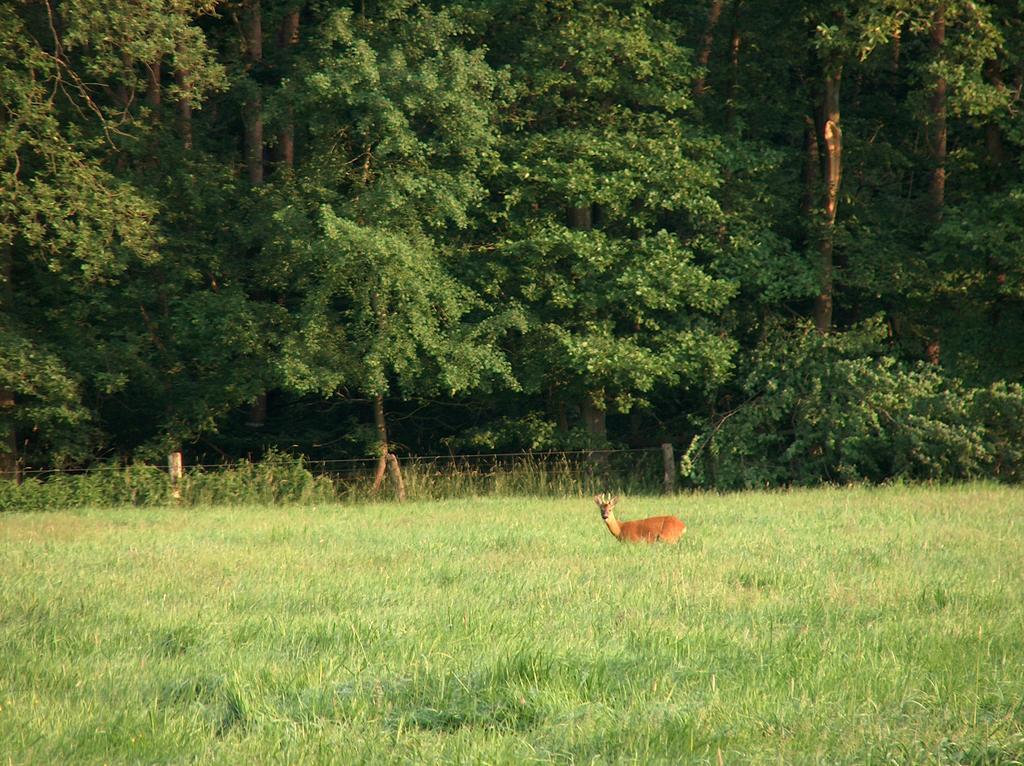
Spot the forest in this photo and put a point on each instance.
(787, 238)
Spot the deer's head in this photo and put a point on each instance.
(605, 503)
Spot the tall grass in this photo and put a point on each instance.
(567, 474)
(284, 479)
(278, 478)
(833, 626)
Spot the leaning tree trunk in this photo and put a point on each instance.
(386, 461)
(830, 146)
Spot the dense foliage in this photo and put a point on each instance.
(790, 237)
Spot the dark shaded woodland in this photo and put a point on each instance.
(785, 237)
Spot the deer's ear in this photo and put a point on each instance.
(613, 501)
(597, 499)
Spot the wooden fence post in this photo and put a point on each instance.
(669, 460)
(174, 466)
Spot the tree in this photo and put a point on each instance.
(401, 118)
(541, 224)
(829, 142)
(608, 208)
(68, 228)
(96, 282)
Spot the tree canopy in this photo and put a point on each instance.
(788, 236)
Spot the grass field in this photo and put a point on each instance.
(835, 626)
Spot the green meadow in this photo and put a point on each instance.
(859, 626)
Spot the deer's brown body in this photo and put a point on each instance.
(666, 529)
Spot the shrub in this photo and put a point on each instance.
(278, 479)
(835, 408)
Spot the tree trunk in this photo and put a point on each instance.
(8, 434)
(153, 94)
(382, 441)
(580, 218)
(258, 412)
(286, 145)
(8, 437)
(396, 476)
(252, 31)
(288, 32)
(385, 460)
(287, 35)
(592, 408)
(994, 146)
(252, 40)
(123, 95)
(154, 98)
(594, 413)
(706, 44)
(183, 120)
(937, 147)
(254, 140)
(811, 170)
(937, 122)
(668, 459)
(830, 144)
(735, 40)
(637, 431)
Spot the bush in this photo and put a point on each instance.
(103, 486)
(278, 479)
(281, 479)
(837, 409)
(1000, 408)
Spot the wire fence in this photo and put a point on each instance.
(278, 477)
(582, 460)
(573, 472)
(355, 465)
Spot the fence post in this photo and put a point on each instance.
(174, 466)
(669, 460)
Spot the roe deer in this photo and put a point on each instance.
(665, 528)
